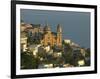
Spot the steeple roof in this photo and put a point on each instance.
(47, 28)
(59, 29)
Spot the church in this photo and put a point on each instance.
(51, 38)
(44, 35)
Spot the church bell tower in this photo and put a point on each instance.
(59, 35)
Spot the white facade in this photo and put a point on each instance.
(67, 41)
(47, 48)
(23, 42)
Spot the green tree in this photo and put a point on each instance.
(68, 54)
(87, 57)
(28, 61)
(88, 52)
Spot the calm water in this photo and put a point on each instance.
(75, 25)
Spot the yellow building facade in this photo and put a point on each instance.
(49, 38)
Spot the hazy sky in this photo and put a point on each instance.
(75, 25)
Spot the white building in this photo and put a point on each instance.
(47, 48)
(34, 49)
(57, 54)
(23, 41)
(81, 62)
(83, 52)
(67, 41)
(45, 66)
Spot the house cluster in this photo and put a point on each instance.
(42, 41)
(44, 36)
